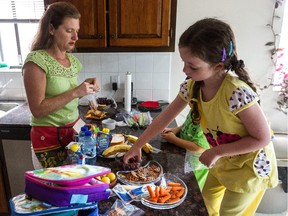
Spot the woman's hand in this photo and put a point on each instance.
(134, 151)
(95, 84)
(209, 157)
(89, 86)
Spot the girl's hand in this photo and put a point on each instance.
(134, 151)
(209, 157)
(168, 136)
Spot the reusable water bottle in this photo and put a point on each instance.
(81, 134)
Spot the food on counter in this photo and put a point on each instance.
(132, 164)
(116, 212)
(147, 147)
(109, 178)
(170, 194)
(113, 150)
(105, 103)
(105, 179)
(97, 114)
(117, 139)
(138, 119)
(143, 174)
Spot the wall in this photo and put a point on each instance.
(248, 19)
(150, 75)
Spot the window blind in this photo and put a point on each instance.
(21, 11)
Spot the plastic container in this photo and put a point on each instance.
(89, 148)
(109, 123)
(103, 140)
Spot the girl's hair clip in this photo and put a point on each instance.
(230, 48)
(223, 54)
(194, 100)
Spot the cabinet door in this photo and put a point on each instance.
(3, 198)
(139, 23)
(92, 32)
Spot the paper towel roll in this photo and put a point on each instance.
(127, 92)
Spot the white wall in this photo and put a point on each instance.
(248, 19)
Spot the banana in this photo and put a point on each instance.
(147, 147)
(115, 149)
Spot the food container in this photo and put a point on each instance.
(104, 103)
(167, 177)
(109, 123)
(152, 174)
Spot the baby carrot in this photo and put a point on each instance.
(163, 191)
(164, 198)
(173, 184)
(171, 200)
(180, 193)
(177, 188)
(151, 192)
(173, 195)
(153, 199)
(157, 191)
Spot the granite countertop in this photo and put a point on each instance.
(171, 158)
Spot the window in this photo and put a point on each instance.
(18, 25)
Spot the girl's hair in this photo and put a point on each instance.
(213, 41)
(54, 15)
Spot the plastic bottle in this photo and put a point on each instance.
(103, 140)
(81, 134)
(89, 148)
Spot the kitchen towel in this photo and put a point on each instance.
(127, 92)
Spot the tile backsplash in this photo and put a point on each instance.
(150, 75)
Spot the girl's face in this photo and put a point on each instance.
(66, 35)
(194, 67)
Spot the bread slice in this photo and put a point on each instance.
(117, 139)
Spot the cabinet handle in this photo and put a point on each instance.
(113, 36)
(100, 36)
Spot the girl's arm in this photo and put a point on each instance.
(259, 136)
(35, 86)
(157, 125)
(189, 145)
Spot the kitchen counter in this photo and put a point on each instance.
(171, 158)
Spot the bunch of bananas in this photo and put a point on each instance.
(147, 147)
(112, 150)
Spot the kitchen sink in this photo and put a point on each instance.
(5, 107)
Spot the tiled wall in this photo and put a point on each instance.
(150, 75)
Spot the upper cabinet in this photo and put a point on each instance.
(125, 25)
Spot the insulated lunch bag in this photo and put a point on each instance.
(67, 185)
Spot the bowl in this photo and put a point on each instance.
(150, 173)
(167, 177)
(104, 103)
(109, 123)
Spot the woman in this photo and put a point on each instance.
(50, 78)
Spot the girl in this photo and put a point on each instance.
(223, 101)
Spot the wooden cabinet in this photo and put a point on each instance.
(126, 25)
